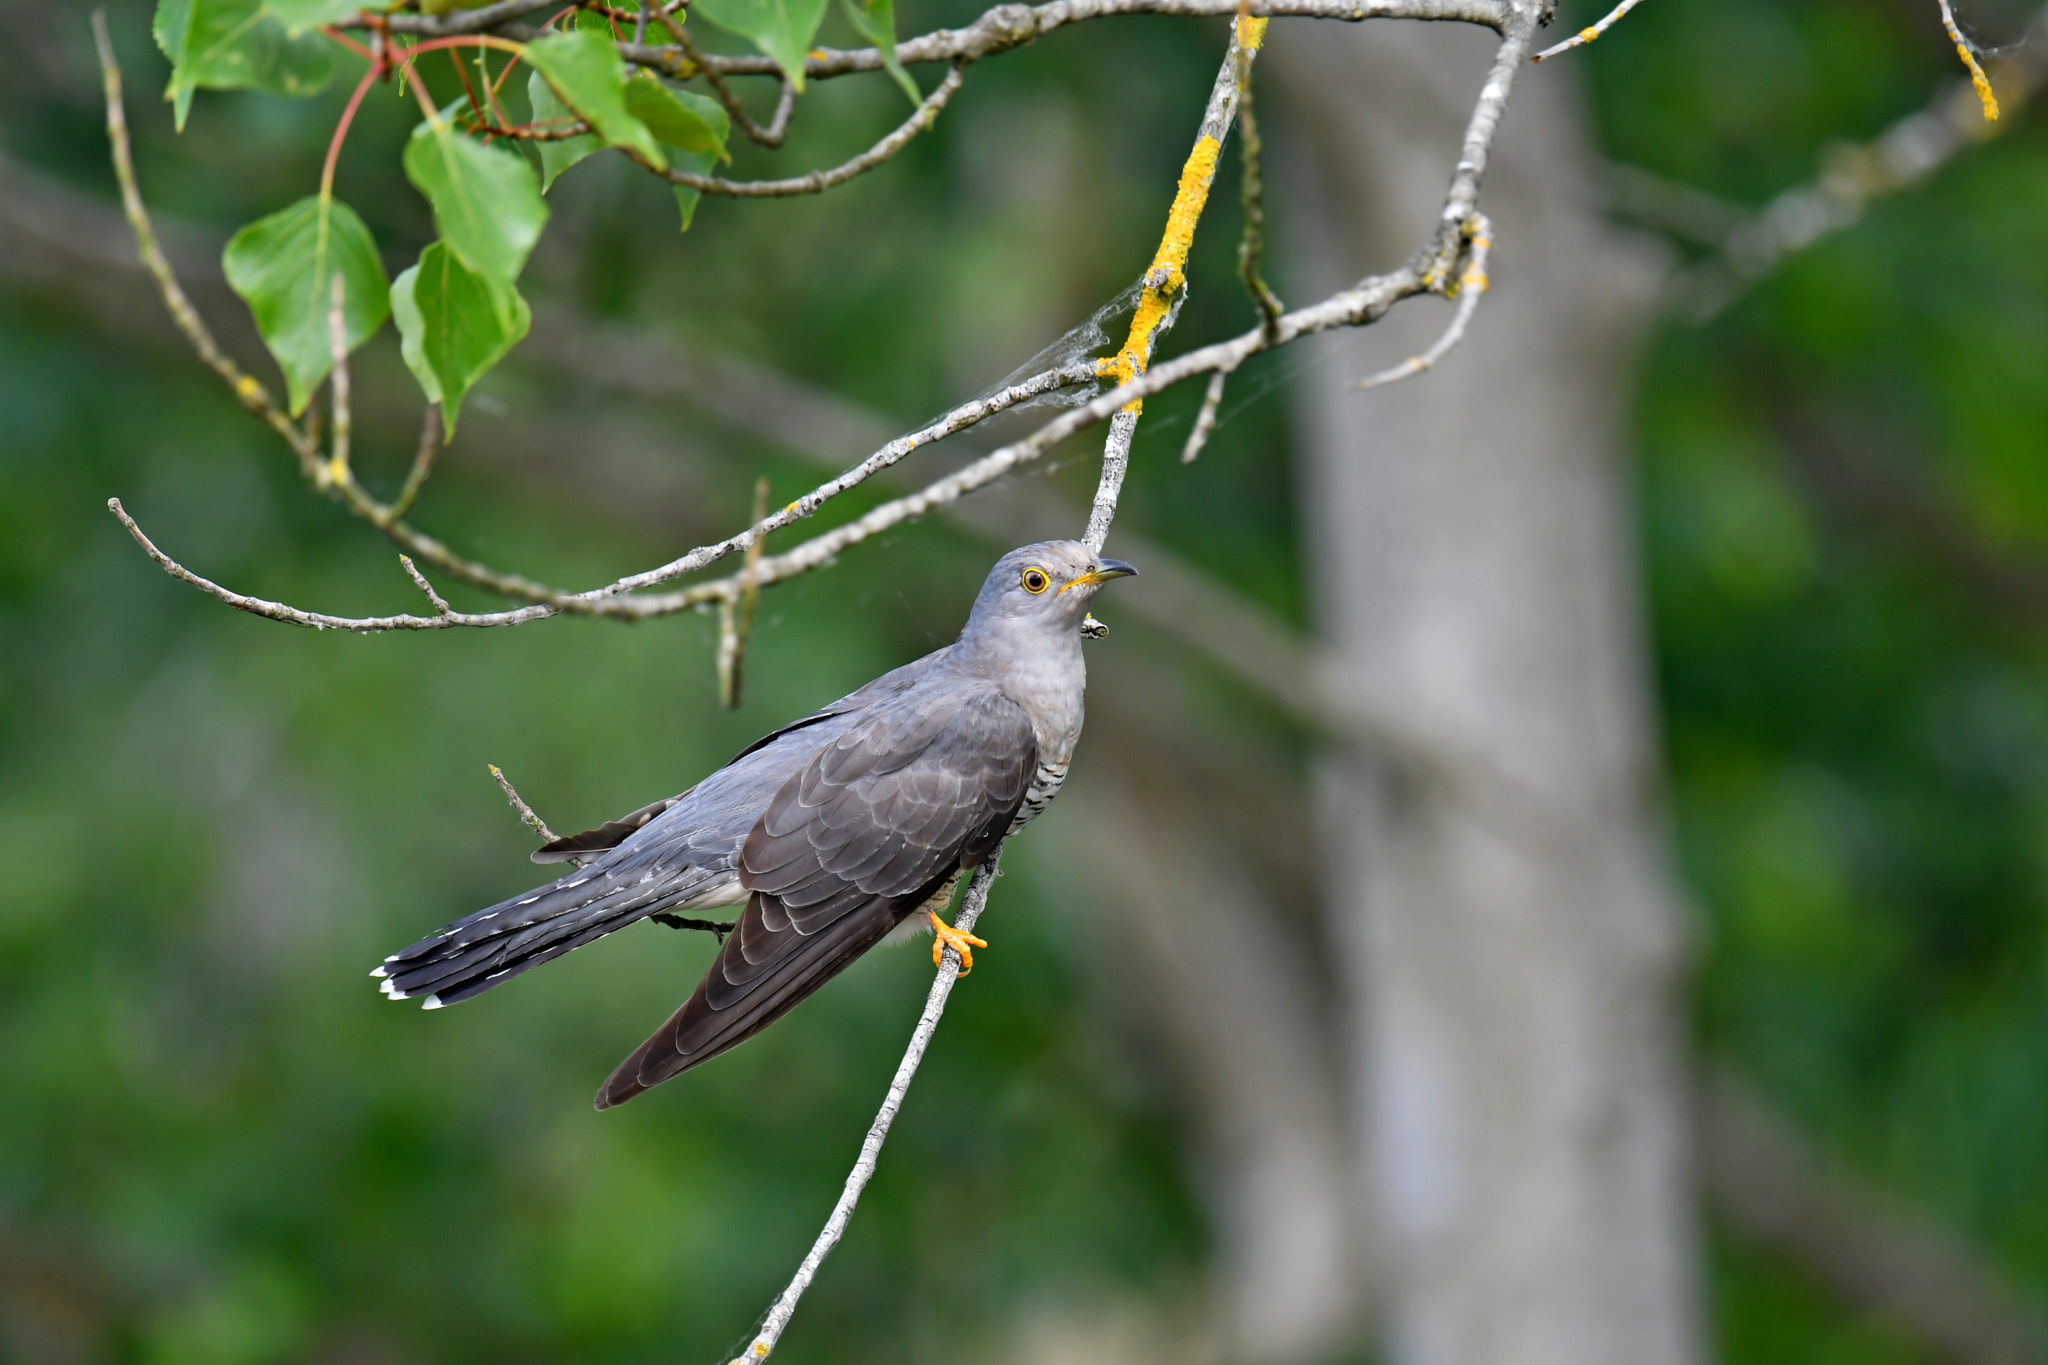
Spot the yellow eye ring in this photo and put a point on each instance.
(1035, 580)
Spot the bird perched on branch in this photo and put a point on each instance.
(832, 831)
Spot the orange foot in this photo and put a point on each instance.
(957, 939)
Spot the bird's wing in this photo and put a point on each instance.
(615, 832)
(872, 827)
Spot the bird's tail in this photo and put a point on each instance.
(496, 944)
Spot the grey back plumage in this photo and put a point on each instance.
(832, 830)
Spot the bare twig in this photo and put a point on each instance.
(816, 182)
(337, 468)
(246, 387)
(1587, 35)
(1852, 177)
(785, 104)
(422, 462)
(736, 613)
(419, 580)
(1205, 420)
(1252, 197)
(525, 812)
(999, 29)
(1471, 285)
(1875, 1253)
(971, 906)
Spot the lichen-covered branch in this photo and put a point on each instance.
(1165, 281)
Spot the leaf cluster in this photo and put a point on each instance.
(311, 272)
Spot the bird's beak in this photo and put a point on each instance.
(1103, 571)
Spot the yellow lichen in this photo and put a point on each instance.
(248, 389)
(1250, 33)
(1164, 277)
(1978, 79)
(1587, 35)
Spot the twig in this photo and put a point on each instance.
(736, 613)
(422, 462)
(1876, 1254)
(419, 580)
(1978, 81)
(998, 29)
(525, 812)
(337, 468)
(1165, 281)
(1587, 35)
(1252, 197)
(816, 182)
(1471, 285)
(971, 906)
(1852, 177)
(245, 386)
(785, 103)
(278, 611)
(1205, 420)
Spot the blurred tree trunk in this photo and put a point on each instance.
(1506, 929)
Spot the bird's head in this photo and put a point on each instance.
(1041, 588)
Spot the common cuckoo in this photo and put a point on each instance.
(832, 831)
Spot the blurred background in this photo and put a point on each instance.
(1556, 868)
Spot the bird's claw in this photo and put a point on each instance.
(959, 940)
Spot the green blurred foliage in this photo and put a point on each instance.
(1845, 497)
(220, 1145)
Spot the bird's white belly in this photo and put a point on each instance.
(725, 891)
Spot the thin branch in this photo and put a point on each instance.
(971, 906)
(525, 812)
(245, 386)
(278, 611)
(816, 182)
(1471, 285)
(1165, 282)
(1205, 420)
(1587, 35)
(1251, 196)
(736, 613)
(997, 30)
(422, 462)
(1851, 179)
(785, 103)
(1978, 81)
(1883, 1257)
(419, 580)
(337, 468)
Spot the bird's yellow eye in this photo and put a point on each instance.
(1035, 580)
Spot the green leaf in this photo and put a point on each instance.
(559, 155)
(231, 44)
(453, 325)
(697, 163)
(586, 72)
(299, 15)
(679, 118)
(283, 266)
(781, 28)
(876, 22)
(486, 200)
